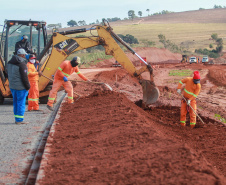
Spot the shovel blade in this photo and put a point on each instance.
(108, 86)
(150, 92)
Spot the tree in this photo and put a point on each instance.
(82, 23)
(140, 13)
(131, 14)
(129, 39)
(214, 36)
(72, 23)
(217, 6)
(148, 11)
(51, 26)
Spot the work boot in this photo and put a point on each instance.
(50, 108)
(192, 126)
(21, 123)
(183, 124)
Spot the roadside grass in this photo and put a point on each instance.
(185, 72)
(220, 118)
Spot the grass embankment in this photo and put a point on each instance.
(185, 72)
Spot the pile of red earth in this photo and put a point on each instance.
(104, 138)
(217, 75)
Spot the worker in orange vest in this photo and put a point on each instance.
(191, 91)
(33, 77)
(61, 78)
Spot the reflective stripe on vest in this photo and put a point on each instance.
(182, 121)
(51, 98)
(181, 82)
(192, 123)
(190, 93)
(78, 72)
(30, 99)
(70, 97)
(63, 72)
(17, 116)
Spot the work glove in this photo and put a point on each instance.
(179, 91)
(188, 102)
(65, 79)
(40, 73)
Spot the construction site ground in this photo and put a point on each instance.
(105, 137)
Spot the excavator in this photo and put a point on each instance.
(53, 51)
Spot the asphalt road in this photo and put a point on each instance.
(18, 143)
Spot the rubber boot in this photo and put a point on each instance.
(183, 124)
(192, 126)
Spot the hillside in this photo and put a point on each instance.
(190, 30)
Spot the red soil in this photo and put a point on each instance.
(106, 139)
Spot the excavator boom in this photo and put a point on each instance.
(61, 45)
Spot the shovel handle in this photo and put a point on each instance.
(192, 109)
(47, 77)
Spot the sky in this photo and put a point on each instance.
(62, 11)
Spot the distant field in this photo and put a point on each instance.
(189, 35)
(190, 30)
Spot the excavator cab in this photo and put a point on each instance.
(13, 30)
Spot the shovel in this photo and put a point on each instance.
(99, 83)
(192, 109)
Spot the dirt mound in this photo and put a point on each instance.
(152, 55)
(217, 75)
(106, 139)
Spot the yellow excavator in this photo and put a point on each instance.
(52, 53)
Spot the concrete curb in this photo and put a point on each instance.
(36, 164)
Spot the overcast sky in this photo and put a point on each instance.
(62, 11)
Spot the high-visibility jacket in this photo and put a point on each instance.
(32, 72)
(66, 69)
(191, 89)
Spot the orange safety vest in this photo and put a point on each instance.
(66, 69)
(32, 72)
(191, 89)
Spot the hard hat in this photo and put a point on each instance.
(75, 61)
(25, 37)
(21, 52)
(196, 75)
(32, 56)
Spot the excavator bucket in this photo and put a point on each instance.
(150, 92)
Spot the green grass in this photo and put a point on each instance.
(220, 118)
(185, 72)
(88, 59)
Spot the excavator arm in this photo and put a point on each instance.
(63, 46)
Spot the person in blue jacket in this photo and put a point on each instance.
(18, 84)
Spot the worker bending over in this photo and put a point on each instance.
(33, 77)
(191, 91)
(60, 78)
